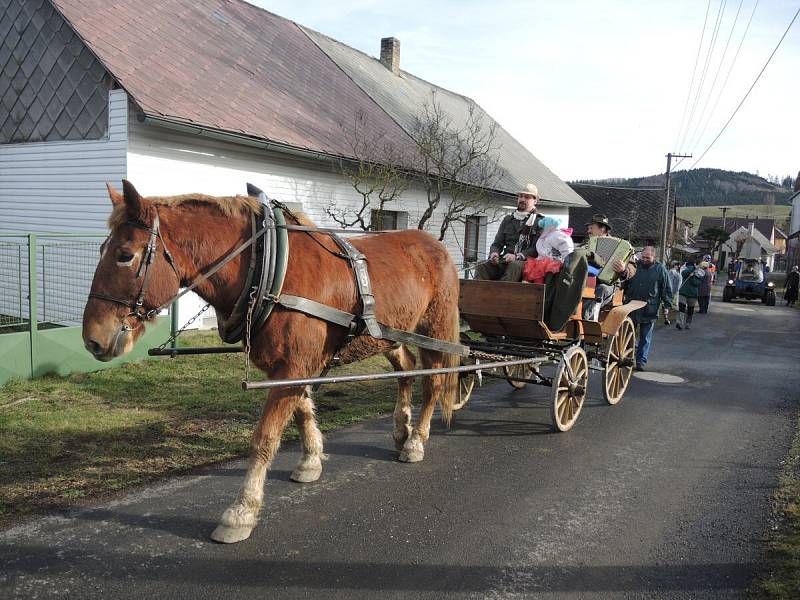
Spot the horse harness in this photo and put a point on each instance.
(264, 283)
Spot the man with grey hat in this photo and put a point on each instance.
(515, 240)
(600, 226)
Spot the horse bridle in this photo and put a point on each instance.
(137, 306)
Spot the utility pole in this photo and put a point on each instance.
(724, 210)
(665, 227)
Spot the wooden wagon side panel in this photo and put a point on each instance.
(504, 308)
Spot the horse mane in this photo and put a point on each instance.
(227, 206)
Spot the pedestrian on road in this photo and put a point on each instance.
(688, 293)
(792, 285)
(675, 281)
(705, 287)
(651, 284)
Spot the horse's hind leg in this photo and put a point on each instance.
(309, 468)
(402, 360)
(238, 520)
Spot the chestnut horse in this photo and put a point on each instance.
(414, 281)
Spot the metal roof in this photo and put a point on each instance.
(403, 95)
(764, 226)
(227, 66)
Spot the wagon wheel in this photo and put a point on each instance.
(620, 360)
(569, 388)
(519, 371)
(466, 383)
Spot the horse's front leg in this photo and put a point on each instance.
(309, 468)
(240, 518)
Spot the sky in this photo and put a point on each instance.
(599, 89)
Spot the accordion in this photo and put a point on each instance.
(609, 249)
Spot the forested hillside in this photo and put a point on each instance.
(712, 187)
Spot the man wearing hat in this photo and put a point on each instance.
(600, 226)
(515, 240)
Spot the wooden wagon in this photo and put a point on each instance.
(507, 321)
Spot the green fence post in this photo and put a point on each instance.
(33, 325)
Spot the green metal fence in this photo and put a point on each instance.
(44, 282)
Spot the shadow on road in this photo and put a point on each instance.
(225, 568)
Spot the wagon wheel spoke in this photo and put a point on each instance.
(613, 375)
(628, 337)
(562, 405)
(569, 371)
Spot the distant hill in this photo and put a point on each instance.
(710, 187)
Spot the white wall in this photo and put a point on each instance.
(48, 187)
(794, 222)
(60, 186)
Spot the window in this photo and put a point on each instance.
(383, 220)
(474, 238)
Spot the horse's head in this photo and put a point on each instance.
(134, 277)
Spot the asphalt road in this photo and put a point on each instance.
(665, 495)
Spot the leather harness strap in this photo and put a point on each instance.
(351, 322)
(359, 264)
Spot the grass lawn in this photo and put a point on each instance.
(64, 440)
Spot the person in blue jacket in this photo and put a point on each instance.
(650, 284)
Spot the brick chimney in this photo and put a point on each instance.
(390, 54)
(797, 183)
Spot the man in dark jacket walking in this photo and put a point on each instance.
(515, 240)
(650, 284)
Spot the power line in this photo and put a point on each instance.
(694, 71)
(694, 139)
(710, 52)
(728, 74)
(760, 73)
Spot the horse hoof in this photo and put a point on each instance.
(412, 452)
(399, 443)
(307, 473)
(230, 535)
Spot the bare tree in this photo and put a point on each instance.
(458, 163)
(374, 172)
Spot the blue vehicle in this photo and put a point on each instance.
(750, 283)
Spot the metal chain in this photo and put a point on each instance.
(248, 324)
(175, 335)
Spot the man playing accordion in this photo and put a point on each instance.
(604, 292)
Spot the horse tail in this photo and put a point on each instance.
(449, 395)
